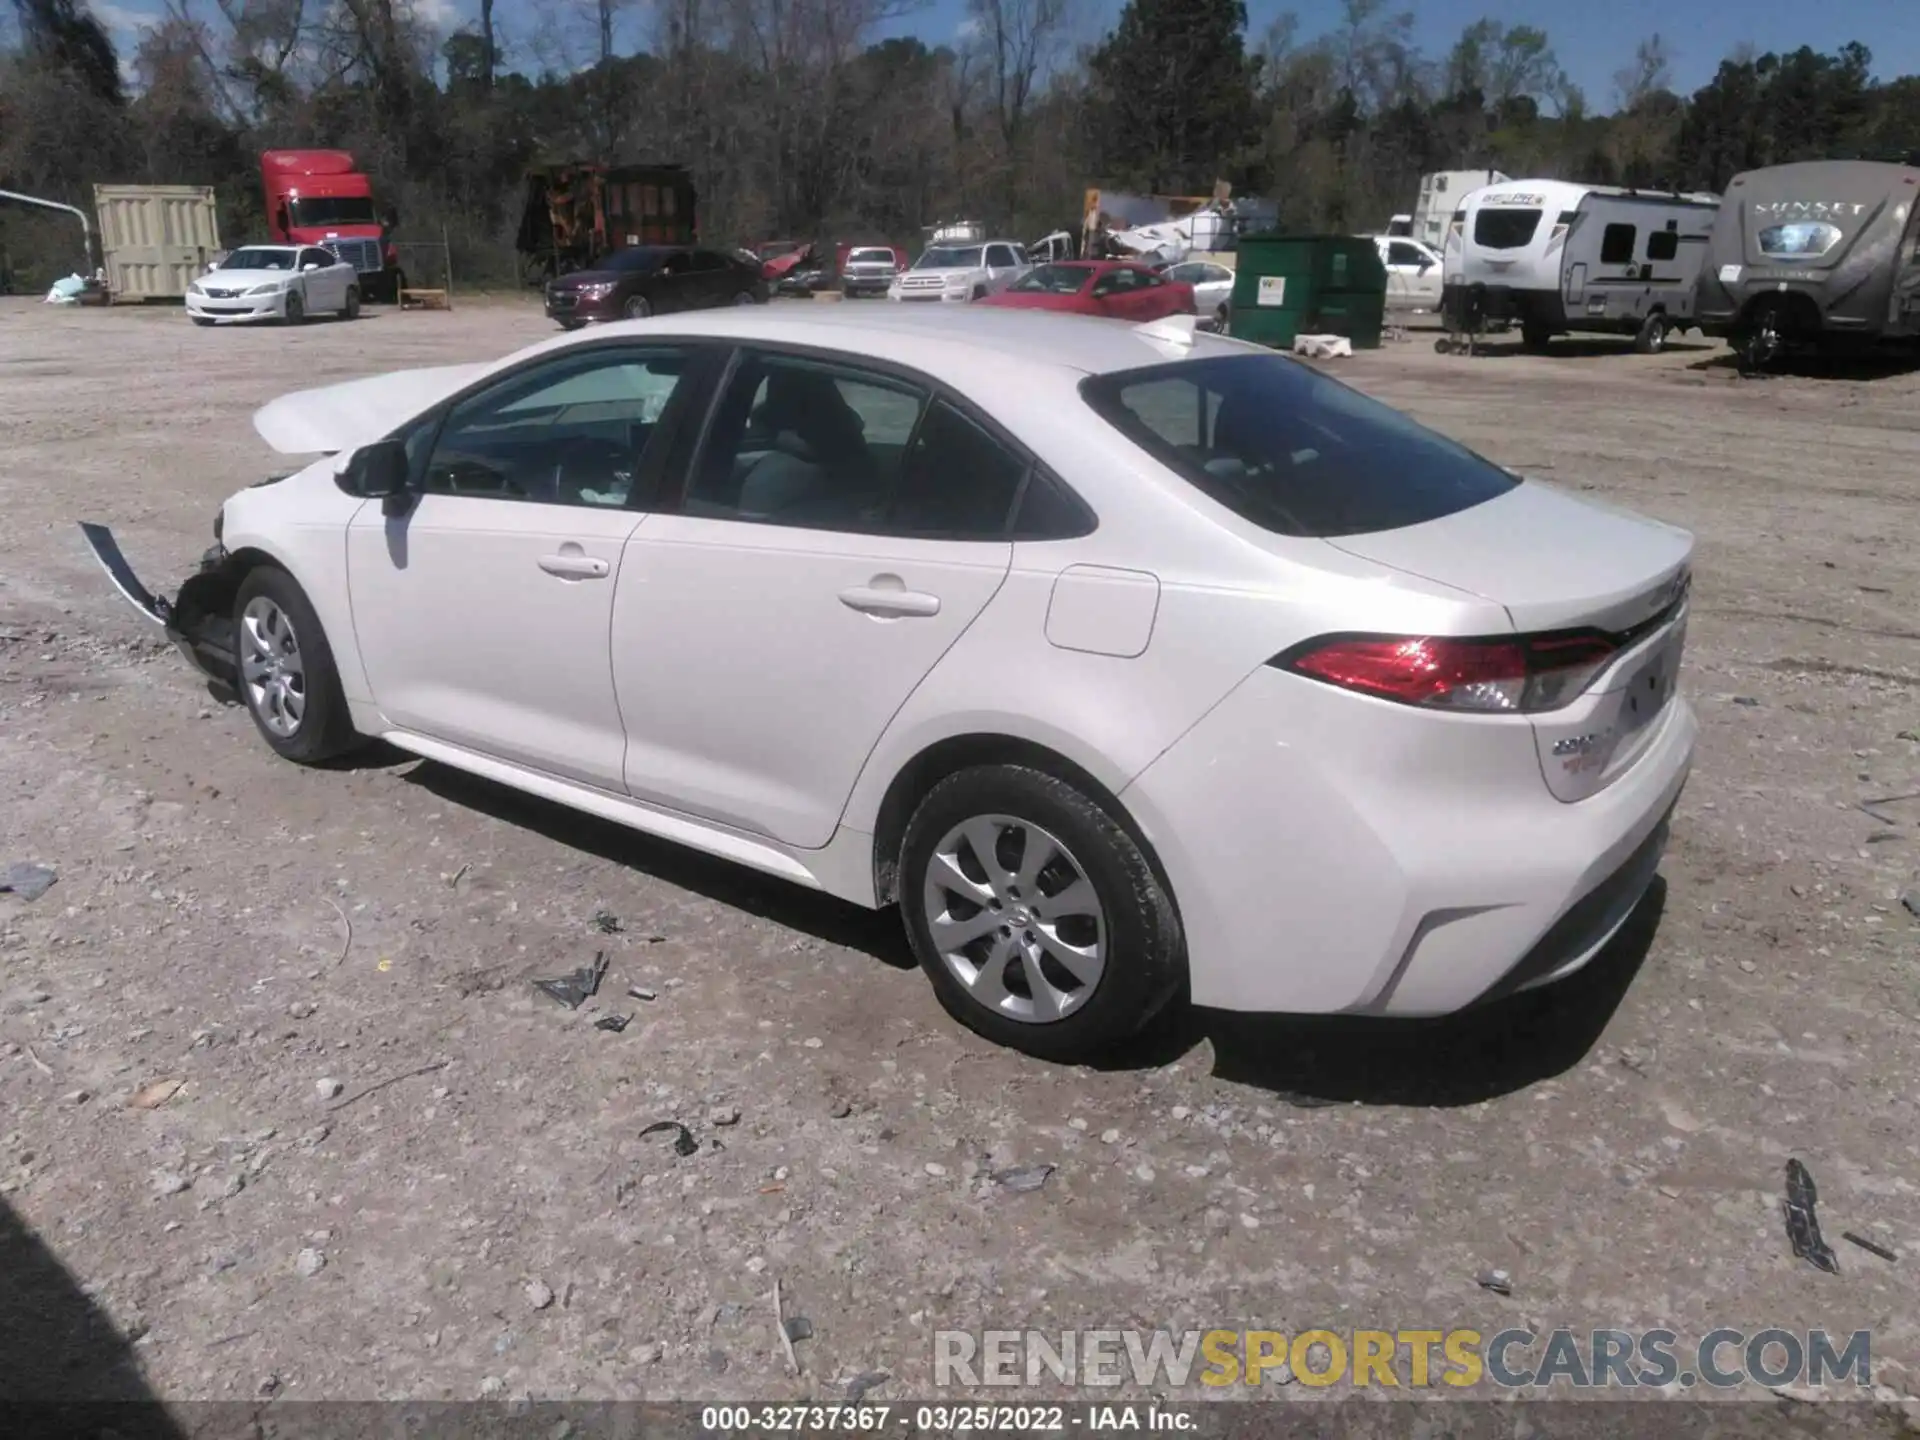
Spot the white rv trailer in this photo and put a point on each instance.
(1438, 194)
(1553, 257)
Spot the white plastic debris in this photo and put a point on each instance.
(1322, 347)
(67, 291)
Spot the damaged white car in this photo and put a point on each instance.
(1128, 661)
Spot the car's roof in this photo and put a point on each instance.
(1010, 338)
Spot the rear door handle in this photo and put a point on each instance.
(890, 603)
(574, 566)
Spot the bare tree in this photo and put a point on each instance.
(1649, 74)
(1020, 40)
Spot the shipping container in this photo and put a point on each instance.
(155, 240)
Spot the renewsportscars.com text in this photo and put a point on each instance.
(1411, 1359)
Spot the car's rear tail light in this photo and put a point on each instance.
(1518, 674)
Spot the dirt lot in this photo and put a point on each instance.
(499, 1226)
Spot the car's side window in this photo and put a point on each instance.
(799, 442)
(958, 481)
(706, 260)
(315, 256)
(999, 257)
(570, 432)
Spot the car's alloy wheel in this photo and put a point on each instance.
(286, 671)
(295, 311)
(1036, 914)
(637, 308)
(1015, 918)
(351, 310)
(745, 297)
(272, 667)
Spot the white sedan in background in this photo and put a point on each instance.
(275, 282)
(1126, 661)
(1212, 287)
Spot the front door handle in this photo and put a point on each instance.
(572, 565)
(890, 602)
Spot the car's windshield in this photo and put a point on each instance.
(1290, 449)
(1053, 280)
(950, 257)
(334, 210)
(259, 259)
(870, 256)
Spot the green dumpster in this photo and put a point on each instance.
(1290, 285)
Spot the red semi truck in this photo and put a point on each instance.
(317, 197)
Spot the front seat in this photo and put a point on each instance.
(819, 468)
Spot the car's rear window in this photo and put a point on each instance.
(1290, 449)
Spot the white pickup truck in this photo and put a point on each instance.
(961, 273)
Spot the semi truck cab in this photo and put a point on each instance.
(319, 197)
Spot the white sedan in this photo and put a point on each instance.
(1125, 661)
(275, 282)
(1212, 287)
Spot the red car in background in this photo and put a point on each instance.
(1118, 289)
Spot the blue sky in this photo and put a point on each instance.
(1592, 38)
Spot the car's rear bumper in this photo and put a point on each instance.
(1330, 853)
(199, 619)
(239, 310)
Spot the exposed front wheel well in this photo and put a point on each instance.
(960, 752)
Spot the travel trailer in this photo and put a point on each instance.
(1438, 192)
(1819, 255)
(1554, 257)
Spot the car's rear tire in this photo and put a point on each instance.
(1652, 338)
(351, 310)
(1535, 337)
(1061, 951)
(295, 311)
(288, 680)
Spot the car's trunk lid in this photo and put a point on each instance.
(1556, 563)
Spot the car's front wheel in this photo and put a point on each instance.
(638, 308)
(295, 310)
(287, 676)
(1035, 914)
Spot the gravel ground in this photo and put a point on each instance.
(280, 942)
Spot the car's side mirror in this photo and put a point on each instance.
(376, 471)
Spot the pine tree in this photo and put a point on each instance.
(1177, 95)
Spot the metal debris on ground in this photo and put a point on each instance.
(1498, 1281)
(1869, 1246)
(799, 1327)
(612, 1023)
(607, 923)
(152, 1097)
(1911, 900)
(576, 989)
(683, 1141)
(786, 1336)
(860, 1385)
(1803, 1227)
(1022, 1178)
(640, 992)
(27, 880)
